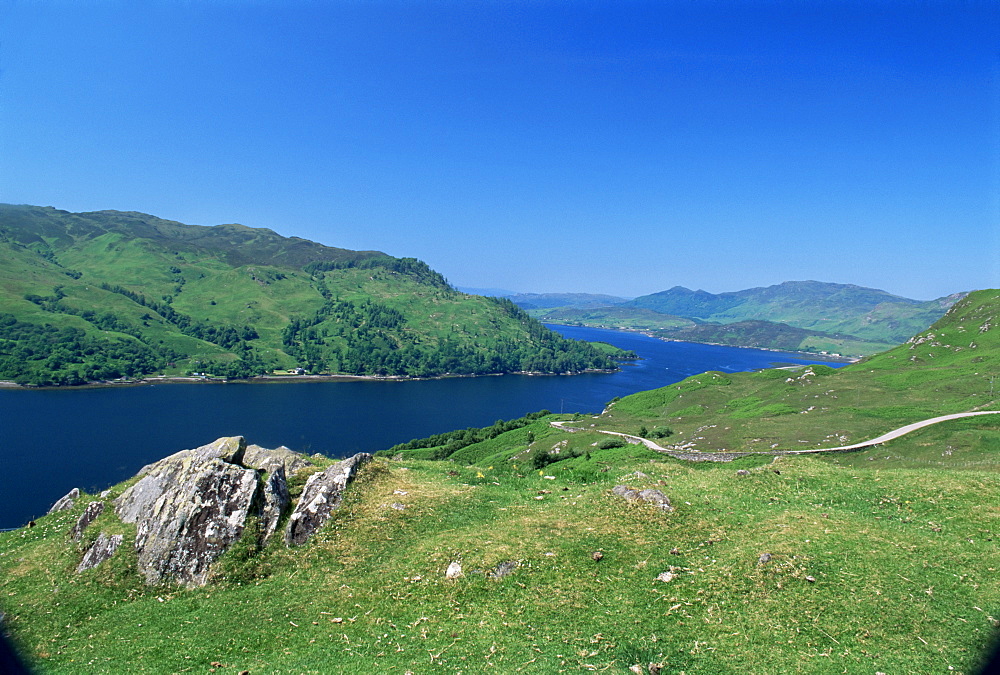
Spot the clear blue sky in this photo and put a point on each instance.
(617, 147)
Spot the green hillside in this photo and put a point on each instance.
(948, 368)
(632, 318)
(866, 313)
(96, 296)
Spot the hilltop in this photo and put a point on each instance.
(109, 294)
(796, 315)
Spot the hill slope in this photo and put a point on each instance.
(866, 313)
(92, 296)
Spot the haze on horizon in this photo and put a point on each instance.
(619, 148)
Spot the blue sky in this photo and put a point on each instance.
(611, 147)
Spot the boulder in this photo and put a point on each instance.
(267, 460)
(189, 509)
(322, 494)
(90, 514)
(65, 502)
(650, 496)
(102, 549)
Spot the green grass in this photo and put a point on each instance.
(901, 560)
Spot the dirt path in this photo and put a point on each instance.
(895, 433)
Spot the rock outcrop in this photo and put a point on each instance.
(276, 500)
(65, 502)
(102, 549)
(322, 494)
(89, 515)
(189, 509)
(267, 460)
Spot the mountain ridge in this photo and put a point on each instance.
(111, 294)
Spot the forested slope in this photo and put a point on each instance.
(108, 294)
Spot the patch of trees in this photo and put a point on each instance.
(450, 442)
(369, 338)
(411, 267)
(46, 355)
(226, 336)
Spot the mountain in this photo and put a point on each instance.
(109, 294)
(866, 313)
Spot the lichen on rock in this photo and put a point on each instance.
(322, 494)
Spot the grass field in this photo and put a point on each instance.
(870, 570)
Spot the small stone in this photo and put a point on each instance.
(665, 577)
(811, 580)
(597, 556)
(503, 569)
(655, 668)
(454, 570)
(397, 506)
(764, 558)
(637, 669)
(675, 551)
(742, 472)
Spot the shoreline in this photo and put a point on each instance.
(276, 379)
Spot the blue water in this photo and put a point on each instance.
(53, 440)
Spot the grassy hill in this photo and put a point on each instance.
(866, 313)
(859, 563)
(92, 296)
(796, 315)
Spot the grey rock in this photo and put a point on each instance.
(276, 500)
(267, 460)
(322, 494)
(657, 498)
(626, 492)
(102, 549)
(398, 506)
(189, 509)
(228, 448)
(764, 559)
(65, 502)
(90, 514)
(742, 472)
(654, 497)
(503, 569)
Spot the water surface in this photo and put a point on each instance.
(55, 439)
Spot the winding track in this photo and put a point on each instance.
(683, 454)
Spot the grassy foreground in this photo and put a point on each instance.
(870, 571)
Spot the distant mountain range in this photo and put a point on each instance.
(111, 294)
(841, 318)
